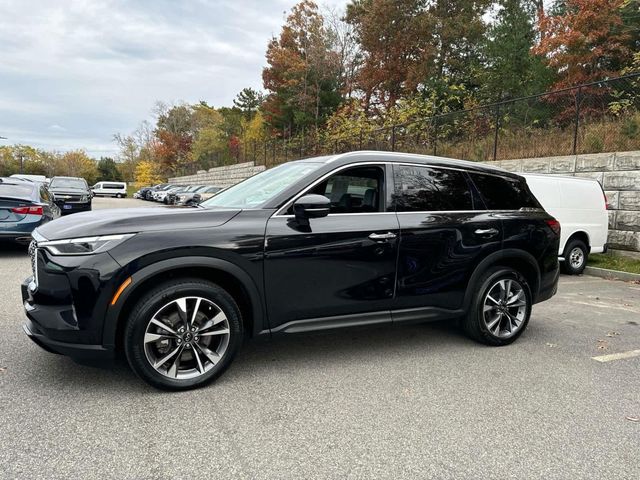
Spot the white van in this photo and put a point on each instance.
(580, 205)
(110, 189)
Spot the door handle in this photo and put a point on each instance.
(487, 232)
(382, 236)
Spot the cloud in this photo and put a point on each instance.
(97, 67)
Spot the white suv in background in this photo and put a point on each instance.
(580, 205)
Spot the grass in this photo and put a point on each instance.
(131, 189)
(615, 262)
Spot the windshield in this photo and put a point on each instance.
(259, 189)
(68, 183)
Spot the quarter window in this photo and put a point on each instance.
(501, 193)
(419, 189)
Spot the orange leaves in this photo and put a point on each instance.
(584, 44)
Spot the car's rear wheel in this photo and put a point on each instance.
(500, 308)
(575, 257)
(183, 334)
(118, 195)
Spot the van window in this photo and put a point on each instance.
(423, 189)
(501, 193)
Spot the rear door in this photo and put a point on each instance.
(445, 231)
(340, 269)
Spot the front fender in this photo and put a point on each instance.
(139, 277)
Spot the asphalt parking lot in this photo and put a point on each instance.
(405, 402)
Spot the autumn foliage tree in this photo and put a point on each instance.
(302, 73)
(585, 43)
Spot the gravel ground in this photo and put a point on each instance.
(406, 402)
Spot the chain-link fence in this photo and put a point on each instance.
(596, 117)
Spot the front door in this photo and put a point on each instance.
(340, 269)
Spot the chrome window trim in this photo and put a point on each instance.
(285, 207)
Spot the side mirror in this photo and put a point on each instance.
(311, 206)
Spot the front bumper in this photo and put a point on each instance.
(66, 310)
(75, 351)
(73, 207)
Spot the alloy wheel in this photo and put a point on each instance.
(186, 338)
(505, 308)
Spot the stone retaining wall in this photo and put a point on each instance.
(220, 176)
(618, 173)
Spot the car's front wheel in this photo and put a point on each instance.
(500, 308)
(183, 334)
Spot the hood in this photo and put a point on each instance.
(133, 220)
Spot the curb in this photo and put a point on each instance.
(612, 274)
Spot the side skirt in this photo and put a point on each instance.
(407, 316)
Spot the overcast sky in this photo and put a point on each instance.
(73, 73)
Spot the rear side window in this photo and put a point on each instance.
(501, 193)
(423, 189)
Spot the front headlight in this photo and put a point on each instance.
(84, 198)
(85, 245)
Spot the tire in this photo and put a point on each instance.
(118, 195)
(197, 360)
(576, 255)
(481, 326)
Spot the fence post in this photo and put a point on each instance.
(577, 120)
(495, 135)
(393, 138)
(435, 136)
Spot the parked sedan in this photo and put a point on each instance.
(24, 205)
(194, 198)
(147, 192)
(172, 196)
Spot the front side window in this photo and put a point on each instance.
(353, 190)
(256, 191)
(430, 189)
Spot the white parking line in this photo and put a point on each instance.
(617, 356)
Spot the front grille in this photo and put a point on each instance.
(68, 198)
(33, 256)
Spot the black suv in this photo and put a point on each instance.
(364, 238)
(71, 194)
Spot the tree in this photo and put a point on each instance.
(302, 73)
(391, 35)
(585, 43)
(147, 173)
(248, 101)
(174, 132)
(511, 68)
(416, 45)
(108, 170)
(77, 163)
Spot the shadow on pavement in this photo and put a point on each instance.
(262, 358)
(12, 249)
